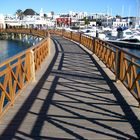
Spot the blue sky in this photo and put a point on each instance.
(114, 7)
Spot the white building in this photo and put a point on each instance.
(93, 16)
(81, 15)
(41, 13)
(120, 22)
(39, 21)
(107, 21)
(78, 15)
(2, 22)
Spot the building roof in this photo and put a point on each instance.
(29, 12)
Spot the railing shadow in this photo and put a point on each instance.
(81, 103)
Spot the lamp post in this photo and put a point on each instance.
(96, 26)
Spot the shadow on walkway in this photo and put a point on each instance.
(74, 99)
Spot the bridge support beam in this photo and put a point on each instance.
(26, 37)
(20, 36)
(6, 36)
(12, 36)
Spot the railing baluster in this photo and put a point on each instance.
(32, 65)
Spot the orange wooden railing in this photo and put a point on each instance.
(124, 65)
(40, 33)
(14, 74)
(19, 70)
(40, 53)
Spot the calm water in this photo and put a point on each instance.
(134, 51)
(9, 48)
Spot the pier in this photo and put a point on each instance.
(70, 86)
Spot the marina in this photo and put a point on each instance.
(126, 38)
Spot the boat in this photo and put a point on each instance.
(131, 36)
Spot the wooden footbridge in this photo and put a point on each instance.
(69, 86)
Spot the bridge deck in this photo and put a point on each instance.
(74, 99)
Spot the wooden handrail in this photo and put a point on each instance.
(35, 32)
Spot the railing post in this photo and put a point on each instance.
(93, 44)
(71, 35)
(79, 38)
(49, 43)
(139, 105)
(62, 33)
(32, 66)
(139, 99)
(119, 64)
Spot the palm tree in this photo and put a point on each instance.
(86, 21)
(45, 16)
(52, 13)
(19, 14)
(118, 16)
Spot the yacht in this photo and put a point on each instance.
(130, 36)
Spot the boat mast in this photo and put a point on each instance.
(138, 11)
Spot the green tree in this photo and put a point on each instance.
(52, 13)
(118, 16)
(99, 22)
(130, 23)
(19, 14)
(86, 21)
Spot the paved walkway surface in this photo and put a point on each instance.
(74, 99)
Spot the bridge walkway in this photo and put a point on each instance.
(74, 99)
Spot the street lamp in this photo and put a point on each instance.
(96, 26)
